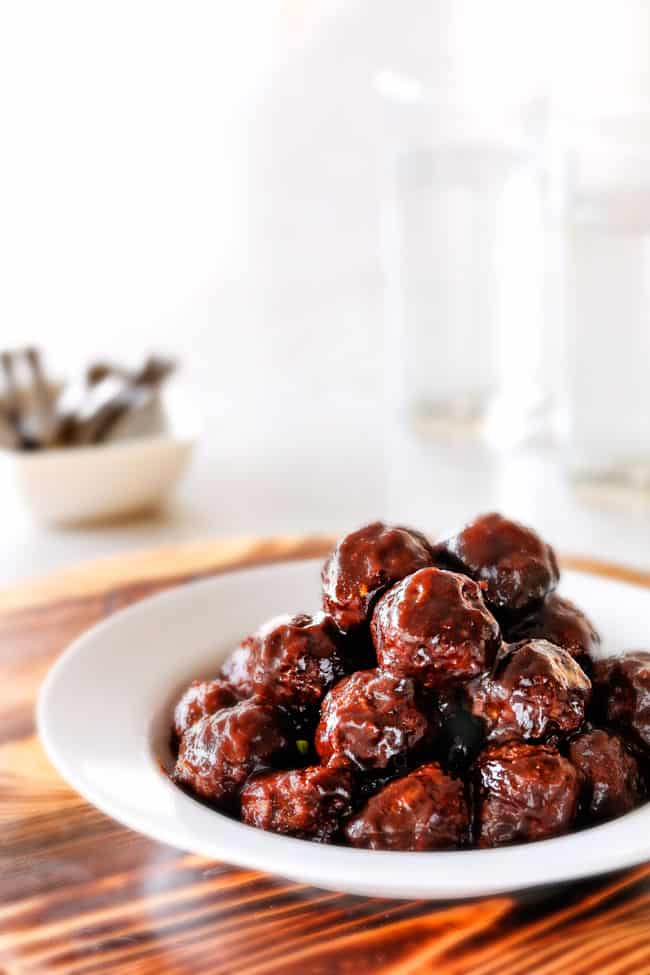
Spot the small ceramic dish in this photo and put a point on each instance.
(104, 715)
(71, 485)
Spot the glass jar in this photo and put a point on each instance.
(465, 232)
(607, 447)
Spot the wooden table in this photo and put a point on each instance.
(80, 894)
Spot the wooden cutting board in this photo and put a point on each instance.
(80, 894)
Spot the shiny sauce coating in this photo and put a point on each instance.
(447, 697)
(364, 564)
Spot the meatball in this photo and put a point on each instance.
(363, 564)
(523, 793)
(291, 660)
(609, 776)
(201, 697)
(537, 690)
(308, 802)
(623, 688)
(560, 622)
(425, 810)
(433, 626)
(512, 564)
(368, 720)
(219, 752)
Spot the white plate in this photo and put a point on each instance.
(104, 713)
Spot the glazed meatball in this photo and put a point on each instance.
(434, 627)
(609, 776)
(560, 622)
(219, 752)
(363, 564)
(523, 793)
(512, 564)
(623, 691)
(537, 690)
(308, 803)
(291, 660)
(201, 697)
(368, 720)
(425, 810)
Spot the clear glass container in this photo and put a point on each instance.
(608, 310)
(465, 246)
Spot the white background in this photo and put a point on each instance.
(201, 178)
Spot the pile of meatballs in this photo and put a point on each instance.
(445, 698)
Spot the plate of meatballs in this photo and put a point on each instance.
(412, 718)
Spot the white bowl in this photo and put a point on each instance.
(82, 484)
(104, 715)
